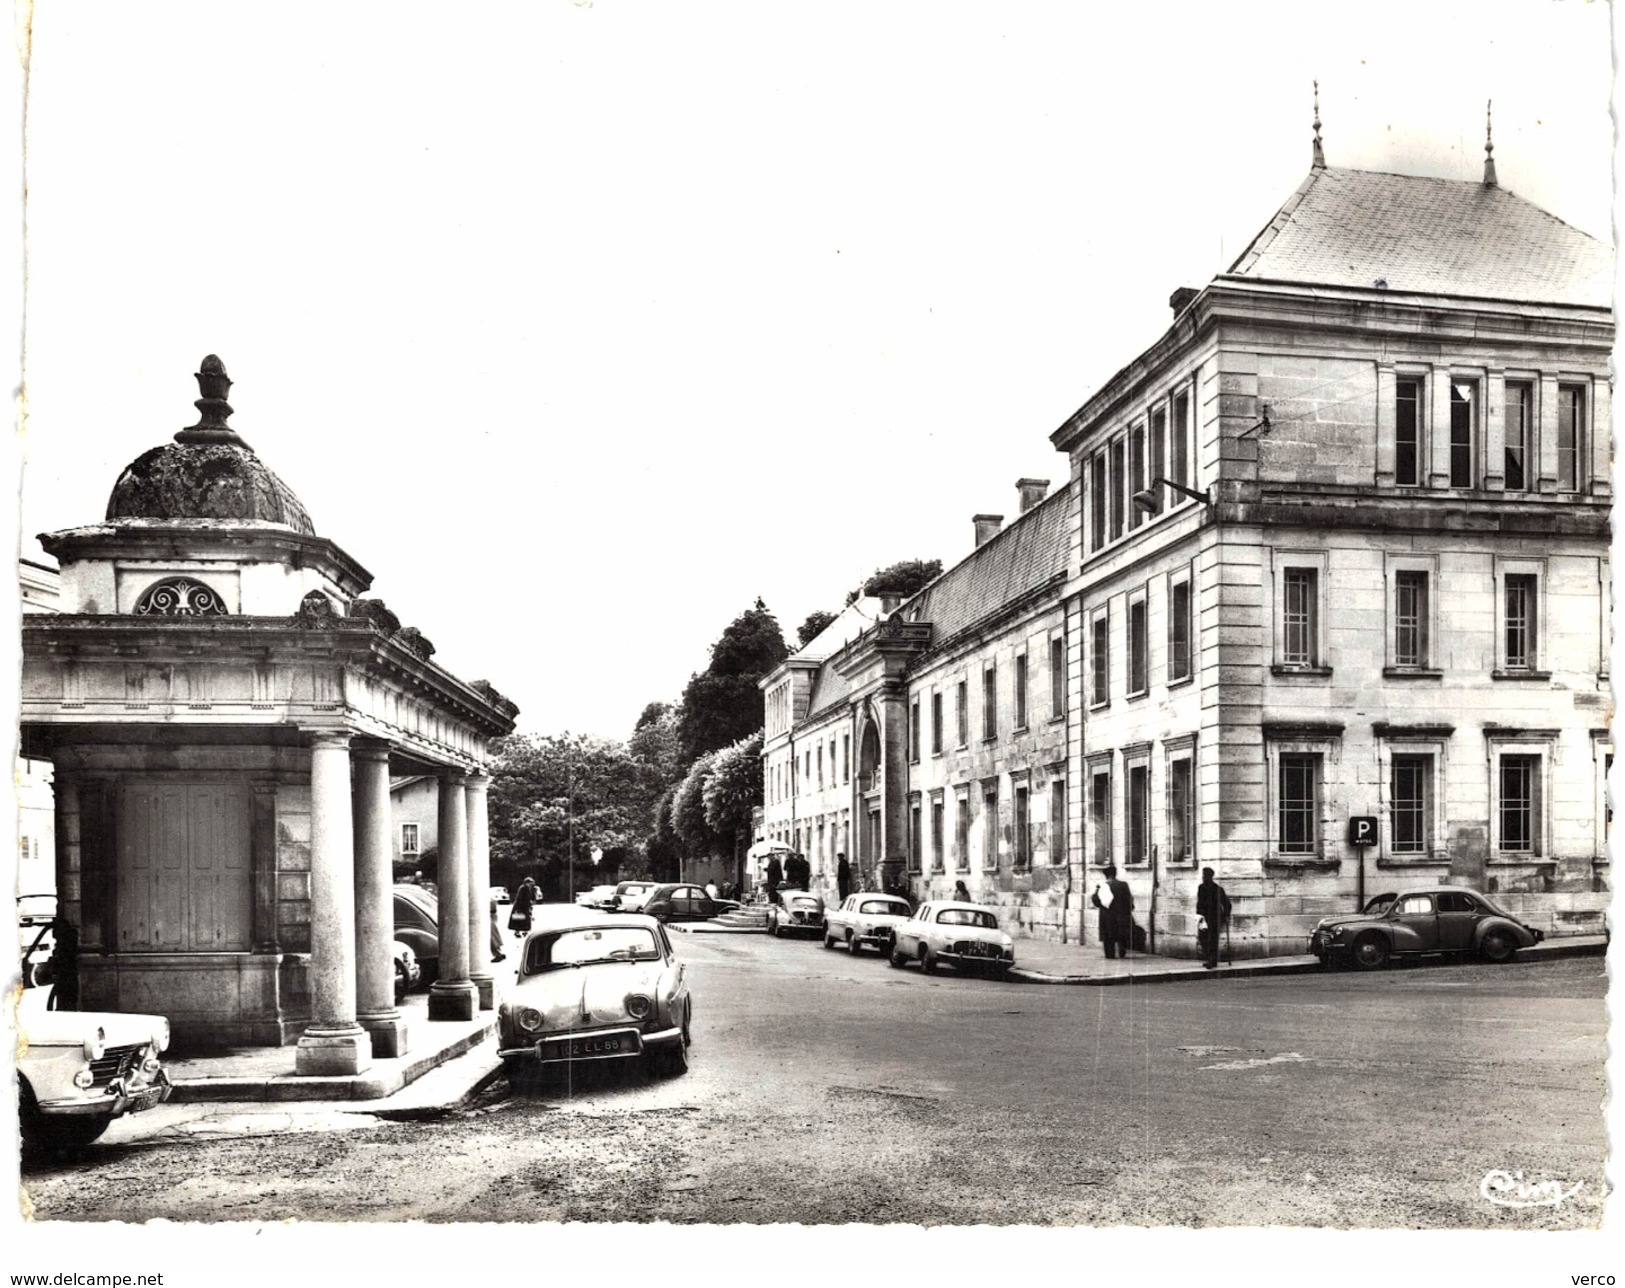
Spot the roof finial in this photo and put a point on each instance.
(1489, 148)
(214, 384)
(1320, 157)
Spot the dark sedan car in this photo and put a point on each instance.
(684, 902)
(1430, 919)
(417, 925)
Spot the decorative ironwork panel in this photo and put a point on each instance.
(180, 597)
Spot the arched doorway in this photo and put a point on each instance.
(869, 762)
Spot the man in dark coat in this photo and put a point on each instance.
(797, 872)
(775, 878)
(1116, 903)
(843, 876)
(1212, 911)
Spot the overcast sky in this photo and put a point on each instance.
(582, 326)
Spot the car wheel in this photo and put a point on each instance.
(688, 1017)
(829, 940)
(853, 946)
(1497, 946)
(928, 960)
(55, 1131)
(897, 959)
(1371, 952)
(675, 1061)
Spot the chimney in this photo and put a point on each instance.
(987, 526)
(1032, 492)
(889, 601)
(1181, 297)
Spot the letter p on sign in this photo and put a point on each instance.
(1362, 829)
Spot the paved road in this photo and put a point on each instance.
(824, 1089)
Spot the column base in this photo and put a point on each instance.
(333, 1052)
(487, 989)
(388, 1032)
(448, 1001)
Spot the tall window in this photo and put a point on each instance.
(936, 724)
(962, 831)
(1137, 647)
(1136, 471)
(1179, 631)
(990, 825)
(962, 711)
(409, 839)
(1139, 814)
(1057, 820)
(1116, 488)
(1463, 428)
(1410, 618)
(1519, 437)
(1298, 808)
(1298, 617)
(1179, 457)
(1408, 432)
(1181, 801)
(1100, 814)
(1021, 691)
(846, 757)
(1099, 489)
(1520, 621)
(1100, 659)
(914, 731)
(1019, 827)
(1409, 814)
(1520, 803)
(1571, 401)
(1159, 437)
(914, 835)
(1057, 677)
(820, 765)
(938, 855)
(990, 702)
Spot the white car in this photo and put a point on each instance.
(79, 1070)
(965, 936)
(865, 920)
(630, 896)
(600, 896)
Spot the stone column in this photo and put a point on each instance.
(479, 891)
(453, 995)
(333, 1043)
(375, 905)
(65, 790)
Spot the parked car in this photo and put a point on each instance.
(598, 988)
(501, 894)
(601, 897)
(630, 896)
(1428, 919)
(962, 935)
(417, 925)
(685, 902)
(79, 1070)
(865, 920)
(407, 970)
(796, 913)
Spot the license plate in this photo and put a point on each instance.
(145, 1100)
(592, 1048)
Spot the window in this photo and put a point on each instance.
(1021, 691)
(1520, 435)
(1520, 809)
(846, 757)
(1100, 815)
(962, 830)
(1057, 677)
(1057, 818)
(1099, 490)
(180, 597)
(914, 732)
(990, 702)
(1159, 436)
(1022, 840)
(409, 839)
(1463, 429)
(938, 855)
(1519, 621)
(1299, 614)
(1179, 631)
(1138, 666)
(1139, 814)
(1179, 457)
(936, 724)
(820, 765)
(990, 824)
(1408, 433)
(914, 834)
(1181, 803)
(1298, 805)
(962, 712)
(1116, 488)
(1410, 618)
(1410, 810)
(1136, 471)
(1571, 403)
(1101, 658)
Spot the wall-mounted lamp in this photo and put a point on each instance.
(1151, 502)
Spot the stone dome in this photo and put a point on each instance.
(208, 472)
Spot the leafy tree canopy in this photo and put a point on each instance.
(733, 789)
(809, 629)
(752, 645)
(722, 704)
(905, 578)
(688, 810)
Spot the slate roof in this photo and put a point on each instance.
(1430, 236)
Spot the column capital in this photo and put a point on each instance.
(338, 739)
(367, 749)
(477, 781)
(453, 775)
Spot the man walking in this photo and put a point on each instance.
(1212, 911)
(843, 876)
(775, 878)
(1116, 903)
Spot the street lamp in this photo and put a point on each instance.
(1151, 502)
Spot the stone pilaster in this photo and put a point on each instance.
(262, 854)
(479, 890)
(453, 995)
(333, 1044)
(375, 905)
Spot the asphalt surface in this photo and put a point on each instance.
(824, 1089)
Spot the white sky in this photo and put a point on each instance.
(583, 326)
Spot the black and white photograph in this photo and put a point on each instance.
(761, 642)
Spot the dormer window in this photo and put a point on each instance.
(180, 597)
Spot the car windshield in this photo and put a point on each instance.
(1380, 904)
(967, 917)
(589, 944)
(883, 906)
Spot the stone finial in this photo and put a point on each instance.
(214, 384)
(1320, 157)
(1489, 148)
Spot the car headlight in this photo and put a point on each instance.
(96, 1044)
(160, 1039)
(84, 1078)
(1333, 932)
(530, 1019)
(638, 1006)
(149, 1065)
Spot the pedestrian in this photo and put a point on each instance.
(1116, 903)
(775, 878)
(497, 954)
(797, 872)
(523, 900)
(961, 892)
(843, 876)
(1212, 911)
(711, 891)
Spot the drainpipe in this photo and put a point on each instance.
(1151, 930)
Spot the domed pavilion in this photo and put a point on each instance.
(224, 711)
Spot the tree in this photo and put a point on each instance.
(688, 810)
(906, 578)
(722, 704)
(654, 742)
(733, 789)
(815, 623)
(664, 848)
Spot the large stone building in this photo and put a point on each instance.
(223, 711)
(1333, 549)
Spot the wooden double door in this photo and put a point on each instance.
(185, 868)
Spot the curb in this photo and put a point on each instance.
(719, 930)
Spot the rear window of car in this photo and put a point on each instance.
(590, 944)
(967, 917)
(883, 906)
(1456, 902)
(1415, 905)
